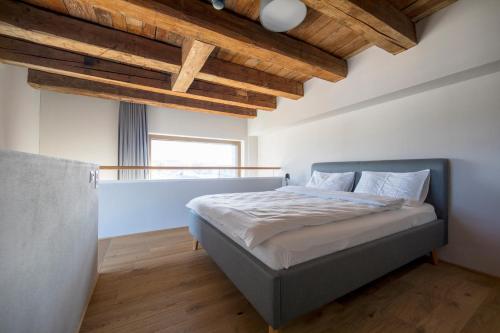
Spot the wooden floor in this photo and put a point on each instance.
(154, 282)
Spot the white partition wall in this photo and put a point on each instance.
(48, 242)
(127, 207)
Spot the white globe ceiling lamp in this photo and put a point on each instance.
(282, 15)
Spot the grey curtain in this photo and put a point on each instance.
(133, 140)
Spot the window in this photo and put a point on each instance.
(193, 152)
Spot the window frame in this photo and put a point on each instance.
(163, 137)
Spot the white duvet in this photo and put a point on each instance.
(257, 216)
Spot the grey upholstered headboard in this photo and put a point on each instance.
(438, 191)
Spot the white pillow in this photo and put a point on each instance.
(411, 186)
(332, 181)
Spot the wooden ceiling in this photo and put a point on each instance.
(185, 54)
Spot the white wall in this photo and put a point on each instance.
(79, 128)
(462, 36)
(460, 122)
(183, 123)
(439, 99)
(86, 129)
(19, 111)
(141, 206)
(3, 84)
(177, 122)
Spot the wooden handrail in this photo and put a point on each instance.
(136, 167)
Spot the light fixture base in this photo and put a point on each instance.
(282, 15)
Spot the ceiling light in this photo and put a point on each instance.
(282, 15)
(218, 4)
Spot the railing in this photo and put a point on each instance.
(185, 172)
(108, 167)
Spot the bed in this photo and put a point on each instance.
(282, 291)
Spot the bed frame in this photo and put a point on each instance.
(282, 295)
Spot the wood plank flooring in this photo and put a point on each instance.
(155, 282)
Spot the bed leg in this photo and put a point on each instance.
(273, 330)
(195, 244)
(435, 258)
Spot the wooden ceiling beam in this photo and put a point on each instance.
(420, 9)
(30, 23)
(198, 20)
(238, 76)
(378, 21)
(47, 59)
(71, 85)
(194, 56)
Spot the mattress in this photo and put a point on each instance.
(258, 216)
(297, 246)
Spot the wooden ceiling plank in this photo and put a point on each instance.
(200, 21)
(44, 27)
(70, 85)
(169, 37)
(353, 47)
(400, 4)
(80, 9)
(133, 26)
(148, 30)
(21, 53)
(379, 22)
(119, 21)
(247, 8)
(194, 56)
(103, 17)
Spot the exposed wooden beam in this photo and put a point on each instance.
(47, 59)
(26, 22)
(378, 21)
(233, 75)
(420, 9)
(198, 20)
(70, 85)
(194, 56)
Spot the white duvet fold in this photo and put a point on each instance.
(257, 216)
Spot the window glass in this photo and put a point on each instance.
(187, 152)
